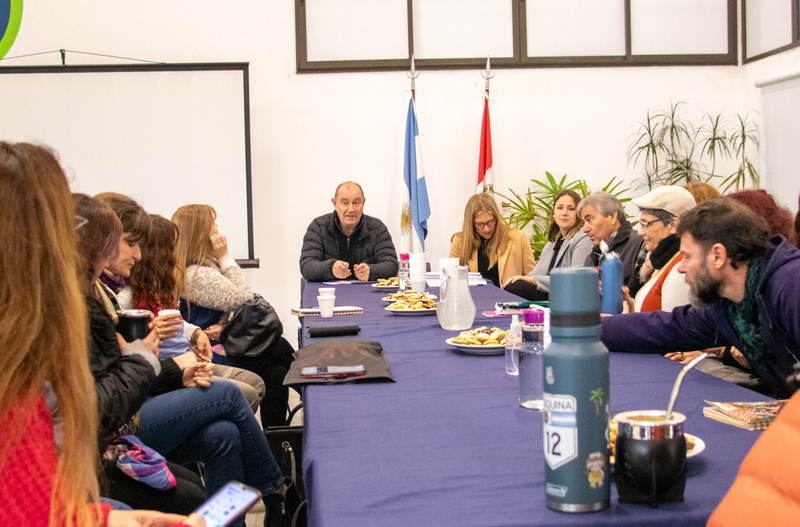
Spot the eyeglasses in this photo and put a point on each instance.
(646, 224)
(480, 225)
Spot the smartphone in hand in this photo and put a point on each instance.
(227, 504)
(318, 372)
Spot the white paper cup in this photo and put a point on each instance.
(447, 262)
(326, 304)
(327, 291)
(418, 285)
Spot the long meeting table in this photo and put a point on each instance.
(449, 445)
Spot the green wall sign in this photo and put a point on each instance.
(10, 18)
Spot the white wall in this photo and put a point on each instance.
(310, 132)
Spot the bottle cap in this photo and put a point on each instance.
(515, 322)
(404, 256)
(534, 316)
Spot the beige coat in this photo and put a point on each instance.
(517, 259)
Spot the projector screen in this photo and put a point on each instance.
(165, 134)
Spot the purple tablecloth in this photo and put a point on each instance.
(448, 444)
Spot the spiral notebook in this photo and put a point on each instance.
(338, 310)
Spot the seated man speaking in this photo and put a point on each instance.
(744, 292)
(347, 243)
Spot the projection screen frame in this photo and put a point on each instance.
(250, 261)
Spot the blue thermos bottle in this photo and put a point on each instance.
(576, 396)
(611, 276)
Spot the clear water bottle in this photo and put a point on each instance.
(403, 271)
(513, 345)
(530, 360)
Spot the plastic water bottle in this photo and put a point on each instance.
(530, 360)
(611, 275)
(513, 345)
(403, 271)
(576, 395)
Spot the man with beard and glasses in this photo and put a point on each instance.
(745, 293)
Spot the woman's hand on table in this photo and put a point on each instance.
(513, 279)
(684, 357)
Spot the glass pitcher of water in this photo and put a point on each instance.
(456, 311)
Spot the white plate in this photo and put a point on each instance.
(477, 350)
(699, 446)
(411, 312)
(428, 296)
(386, 287)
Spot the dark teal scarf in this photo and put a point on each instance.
(745, 315)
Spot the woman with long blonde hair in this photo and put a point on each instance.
(210, 287)
(488, 245)
(48, 415)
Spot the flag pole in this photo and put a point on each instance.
(488, 186)
(413, 75)
(487, 75)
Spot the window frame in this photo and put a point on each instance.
(795, 34)
(520, 46)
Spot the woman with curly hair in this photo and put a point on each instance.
(764, 204)
(152, 283)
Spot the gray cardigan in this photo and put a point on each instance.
(573, 253)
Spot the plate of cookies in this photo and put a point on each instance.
(409, 295)
(420, 306)
(481, 341)
(387, 284)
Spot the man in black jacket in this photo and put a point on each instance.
(347, 243)
(604, 220)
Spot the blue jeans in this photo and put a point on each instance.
(214, 425)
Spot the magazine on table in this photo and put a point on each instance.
(752, 416)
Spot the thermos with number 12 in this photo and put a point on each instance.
(576, 396)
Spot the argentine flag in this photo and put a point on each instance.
(416, 210)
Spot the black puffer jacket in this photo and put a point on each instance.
(324, 243)
(122, 381)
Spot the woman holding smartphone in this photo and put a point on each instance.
(171, 405)
(47, 394)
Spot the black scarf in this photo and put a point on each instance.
(666, 249)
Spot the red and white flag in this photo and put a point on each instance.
(485, 179)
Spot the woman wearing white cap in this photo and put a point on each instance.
(664, 287)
